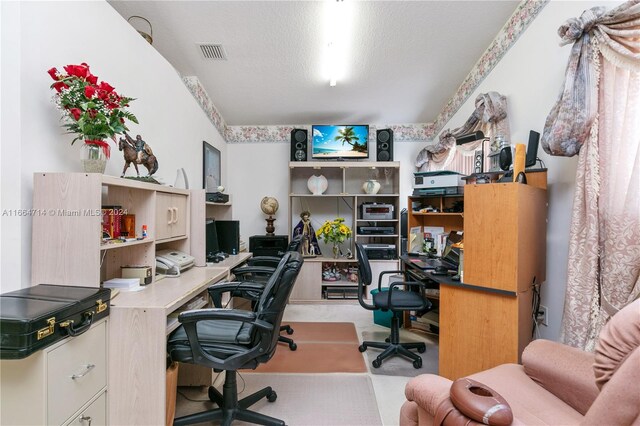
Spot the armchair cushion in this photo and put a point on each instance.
(618, 339)
(562, 370)
(531, 404)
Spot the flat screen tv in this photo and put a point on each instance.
(340, 141)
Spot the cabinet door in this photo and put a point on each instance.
(164, 215)
(179, 210)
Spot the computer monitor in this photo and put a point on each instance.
(211, 234)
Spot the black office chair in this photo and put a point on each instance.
(259, 269)
(229, 340)
(395, 300)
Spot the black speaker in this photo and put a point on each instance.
(505, 158)
(478, 161)
(299, 142)
(532, 149)
(384, 145)
(228, 236)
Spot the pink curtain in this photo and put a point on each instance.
(598, 116)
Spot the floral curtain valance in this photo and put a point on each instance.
(490, 116)
(613, 34)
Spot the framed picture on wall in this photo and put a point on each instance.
(210, 167)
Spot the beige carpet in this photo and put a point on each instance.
(303, 399)
(329, 347)
(399, 365)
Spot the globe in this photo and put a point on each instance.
(269, 205)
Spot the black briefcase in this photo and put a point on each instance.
(36, 317)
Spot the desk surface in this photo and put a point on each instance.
(446, 279)
(170, 293)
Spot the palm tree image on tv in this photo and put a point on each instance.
(348, 136)
(340, 141)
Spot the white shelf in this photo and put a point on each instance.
(115, 245)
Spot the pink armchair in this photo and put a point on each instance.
(555, 385)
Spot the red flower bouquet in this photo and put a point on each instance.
(92, 110)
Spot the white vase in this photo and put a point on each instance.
(371, 186)
(317, 184)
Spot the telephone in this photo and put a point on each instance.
(172, 262)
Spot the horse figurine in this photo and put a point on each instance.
(130, 153)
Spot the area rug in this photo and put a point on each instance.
(323, 347)
(303, 399)
(399, 365)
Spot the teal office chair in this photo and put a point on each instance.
(395, 300)
(229, 340)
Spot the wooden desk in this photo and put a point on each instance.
(479, 327)
(139, 325)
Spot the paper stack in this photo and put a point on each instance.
(122, 283)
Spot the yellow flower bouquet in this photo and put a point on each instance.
(334, 232)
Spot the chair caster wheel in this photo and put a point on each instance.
(293, 346)
(376, 363)
(272, 396)
(417, 363)
(422, 349)
(362, 348)
(289, 331)
(387, 340)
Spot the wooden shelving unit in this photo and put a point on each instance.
(489, 312)
(344, 194)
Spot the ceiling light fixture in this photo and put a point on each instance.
(337, 22)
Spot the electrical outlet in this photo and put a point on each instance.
(542, 316)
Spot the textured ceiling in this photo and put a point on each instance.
(405, 59)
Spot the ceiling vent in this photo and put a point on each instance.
(213, 51)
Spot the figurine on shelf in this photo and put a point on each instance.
(137, 152)
(309, 240)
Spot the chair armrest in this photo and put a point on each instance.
(564, 371)
(428, 391)
(270, 261)
(236, 288)
(383, 273)
(244, 270)
(190, 319)
(216, 314)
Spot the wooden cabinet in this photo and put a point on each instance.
(62, 384)
(486, 319)
(171, 215)
(67, 246)
(344, 197)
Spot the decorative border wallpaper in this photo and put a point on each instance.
(524, 14)
(202, 97)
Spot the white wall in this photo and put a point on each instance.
(39, 35)
(530, 75)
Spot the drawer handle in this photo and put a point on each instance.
(87, 369)
(84, 326)
(85, 419)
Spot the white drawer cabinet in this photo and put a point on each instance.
(65, 383)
